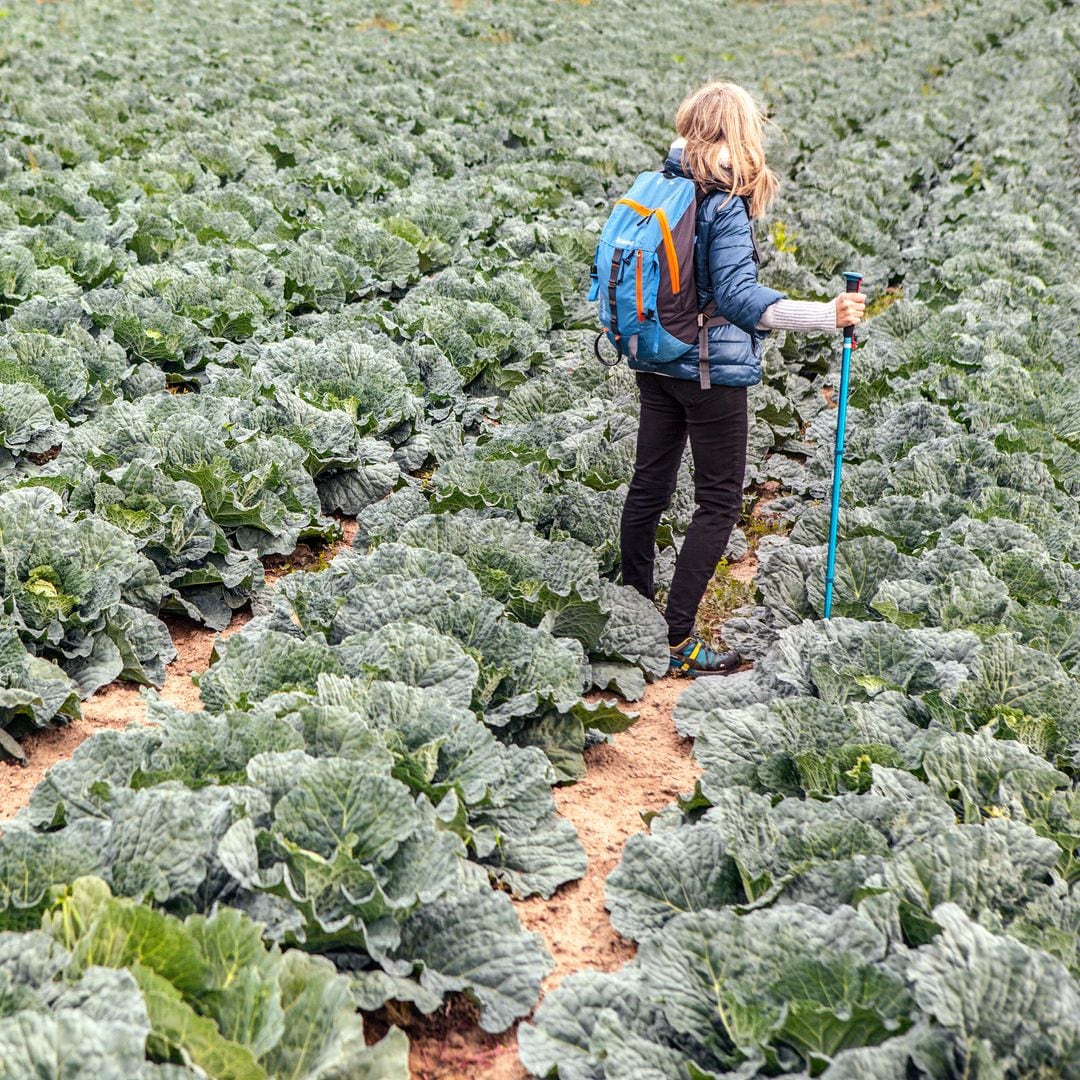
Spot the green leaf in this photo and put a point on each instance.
(322, 1034)
(983, 987)
(862, 564)
(250, 666)
(476, 944)
(176, 1026)
(117, 933)
(245, 1000)
(818, 983)
(66, 1045)
(664, 875)
(159, 844)
(335, 799)
(414, 655)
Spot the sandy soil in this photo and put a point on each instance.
(645, 768)
(746, 568)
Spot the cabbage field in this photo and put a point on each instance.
(269, 270)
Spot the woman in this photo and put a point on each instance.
(721, 146)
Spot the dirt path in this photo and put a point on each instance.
(645, 769)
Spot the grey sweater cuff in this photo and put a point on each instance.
(804, 315)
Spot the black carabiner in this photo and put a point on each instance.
(596, 349)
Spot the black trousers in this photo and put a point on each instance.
(716, 422)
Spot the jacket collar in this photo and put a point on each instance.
(673, 162)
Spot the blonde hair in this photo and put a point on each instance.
(724, 129)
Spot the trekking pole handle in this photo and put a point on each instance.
(852, 283)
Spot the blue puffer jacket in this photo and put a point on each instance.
(726, 274)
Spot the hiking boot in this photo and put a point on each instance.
(693, 657)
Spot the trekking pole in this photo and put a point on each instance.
(853, 282)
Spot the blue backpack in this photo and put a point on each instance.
(643, 275)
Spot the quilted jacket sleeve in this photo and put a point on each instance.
(732, 270)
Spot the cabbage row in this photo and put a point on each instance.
(232, 310)
(215, 335)
(877, 874)
(263, 269)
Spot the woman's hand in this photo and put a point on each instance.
(850, 308)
